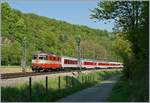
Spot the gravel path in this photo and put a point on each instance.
(98, 93)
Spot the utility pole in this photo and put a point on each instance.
(23, 63)
(0, 49)
(0, 42)
(78, 40)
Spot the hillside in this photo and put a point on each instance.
(49, 35)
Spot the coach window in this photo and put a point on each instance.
(71, 62)
(42, 57)
(46, 57)
(58, 58)
(65, 61)
(54, 58)
(50, 58)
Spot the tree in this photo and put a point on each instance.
(131, 19)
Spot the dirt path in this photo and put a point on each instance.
(98, 93)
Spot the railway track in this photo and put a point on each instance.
(26, 74)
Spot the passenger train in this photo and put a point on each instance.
(50, 61)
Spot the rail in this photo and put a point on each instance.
(26, 74)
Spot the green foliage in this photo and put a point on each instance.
(131, 19)
(123, 47)
(126, 91)
(48, 35)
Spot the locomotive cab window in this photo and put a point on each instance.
(42, 57)
(34, 57)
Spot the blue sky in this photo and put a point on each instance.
(71, 11)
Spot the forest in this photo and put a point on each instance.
(44, 34)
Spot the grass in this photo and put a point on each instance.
(13, 69)
(127, 91)
(68, 85)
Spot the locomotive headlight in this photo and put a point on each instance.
(41, 61)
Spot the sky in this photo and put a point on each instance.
(71, 11)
